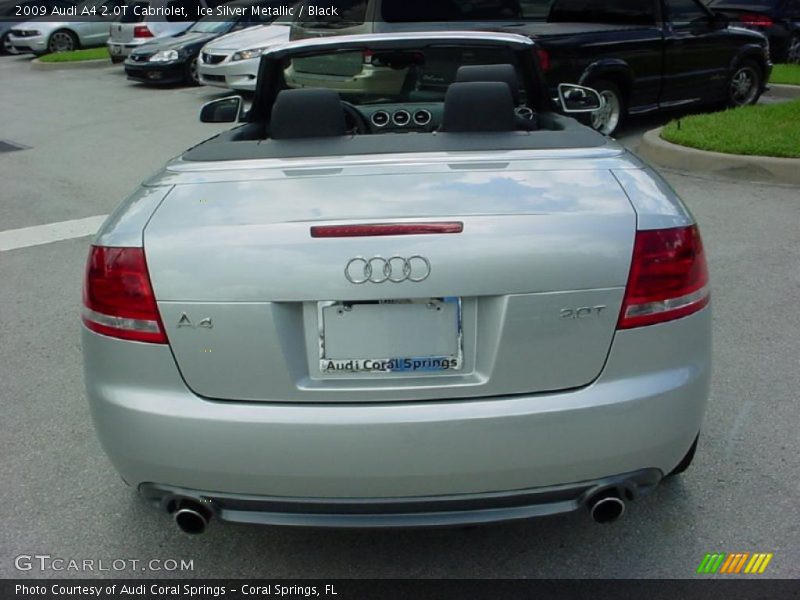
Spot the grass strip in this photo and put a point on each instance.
(760, 130)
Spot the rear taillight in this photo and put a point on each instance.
(668, 277)
(756, 20)
(141, 31)
(544, 59)
(118, 299)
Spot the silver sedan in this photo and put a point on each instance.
(444, 303)
(45, 35)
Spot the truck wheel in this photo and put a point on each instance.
(608, 119)
(793, 54)
(744, 86)
(686, 461)
(62, 41)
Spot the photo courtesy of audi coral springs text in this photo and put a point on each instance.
(408, 288)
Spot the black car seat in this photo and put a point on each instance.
(478, 106)
(307, 113)
(507, 74)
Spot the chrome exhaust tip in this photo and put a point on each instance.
(606, 509)
(191, 518)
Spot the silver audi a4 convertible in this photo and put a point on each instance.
(407, 289)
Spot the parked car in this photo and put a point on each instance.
(44, 35)
(174, 59)
(12, 13)
(141, 24)
(231, 61)
(779, 20)
(642, 63)
(480, 311)
(642, 56)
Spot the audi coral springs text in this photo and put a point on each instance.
(437, 303)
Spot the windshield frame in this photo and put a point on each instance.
(271, 67)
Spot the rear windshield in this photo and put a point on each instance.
(131, 16)
(363, 77)
(409, 11)
(615, 12)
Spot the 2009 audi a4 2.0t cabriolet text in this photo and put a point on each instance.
(406, 290)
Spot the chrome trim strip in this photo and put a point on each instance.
(120, 322)
(340, 40)
(670, 304)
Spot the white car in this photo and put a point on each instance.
(41, 36)
(231, 61)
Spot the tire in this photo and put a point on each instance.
(686, 461)
(608, 119)
(5, 44)
(745, 84)
(116, 60)
(62, 40)
(793, 52)
(192, 77)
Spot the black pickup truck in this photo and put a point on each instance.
(642, 55)
(649, 55)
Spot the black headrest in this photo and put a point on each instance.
(307, 113)
(478, 106)
(505, 73)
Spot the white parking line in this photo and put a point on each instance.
(52, 232)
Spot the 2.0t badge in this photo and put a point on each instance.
(395, 269)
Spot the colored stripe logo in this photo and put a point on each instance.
(734, 563)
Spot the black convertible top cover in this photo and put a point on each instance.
(560, 133)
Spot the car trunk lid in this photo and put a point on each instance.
(524, 298)
(122, 33)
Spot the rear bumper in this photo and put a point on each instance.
(123, 49)
(642, 413)
(155, 73)
(433, 511)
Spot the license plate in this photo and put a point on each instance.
(117, 50)
(398, 336)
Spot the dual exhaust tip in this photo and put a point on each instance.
(606, 507)
(192, 517)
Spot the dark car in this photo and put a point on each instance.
(645, 56)
(779, 20)
(174, 59)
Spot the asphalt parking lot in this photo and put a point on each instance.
(92, 136)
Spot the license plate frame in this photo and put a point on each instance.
(418, 364)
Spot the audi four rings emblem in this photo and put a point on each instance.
(395, 269)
